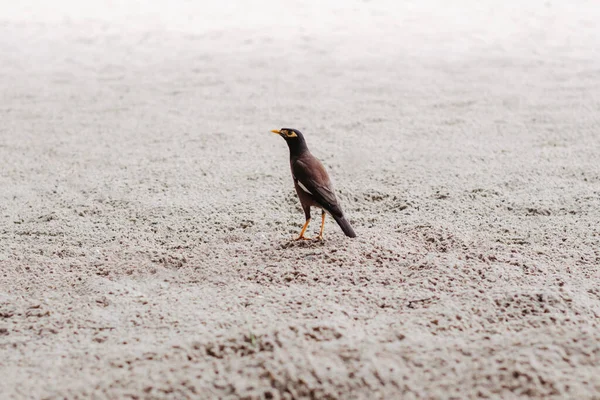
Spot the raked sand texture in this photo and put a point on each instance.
(146, 211)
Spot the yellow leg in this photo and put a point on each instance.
(303, 230)
(322, 226)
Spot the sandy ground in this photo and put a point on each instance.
(146, 211)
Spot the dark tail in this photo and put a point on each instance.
(345, 225)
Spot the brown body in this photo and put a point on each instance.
(308, 168)
(312, 183)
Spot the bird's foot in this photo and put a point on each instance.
(302, 237)
(320, 237)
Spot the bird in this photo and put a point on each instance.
(312, 184)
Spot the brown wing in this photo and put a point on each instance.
(310, 173)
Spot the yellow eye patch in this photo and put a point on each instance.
(290, 134)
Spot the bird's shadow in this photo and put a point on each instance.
(301, 244)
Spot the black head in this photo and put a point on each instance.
(289, 134)
(294, 139)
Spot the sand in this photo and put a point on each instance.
(146, 211)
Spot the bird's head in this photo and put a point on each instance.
(290, 135)
(294, 140)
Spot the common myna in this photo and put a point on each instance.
(312, 183)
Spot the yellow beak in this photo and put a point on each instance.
(275, 131)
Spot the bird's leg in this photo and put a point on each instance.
(304, 230)
(320, 237)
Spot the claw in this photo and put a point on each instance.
(302, 237)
